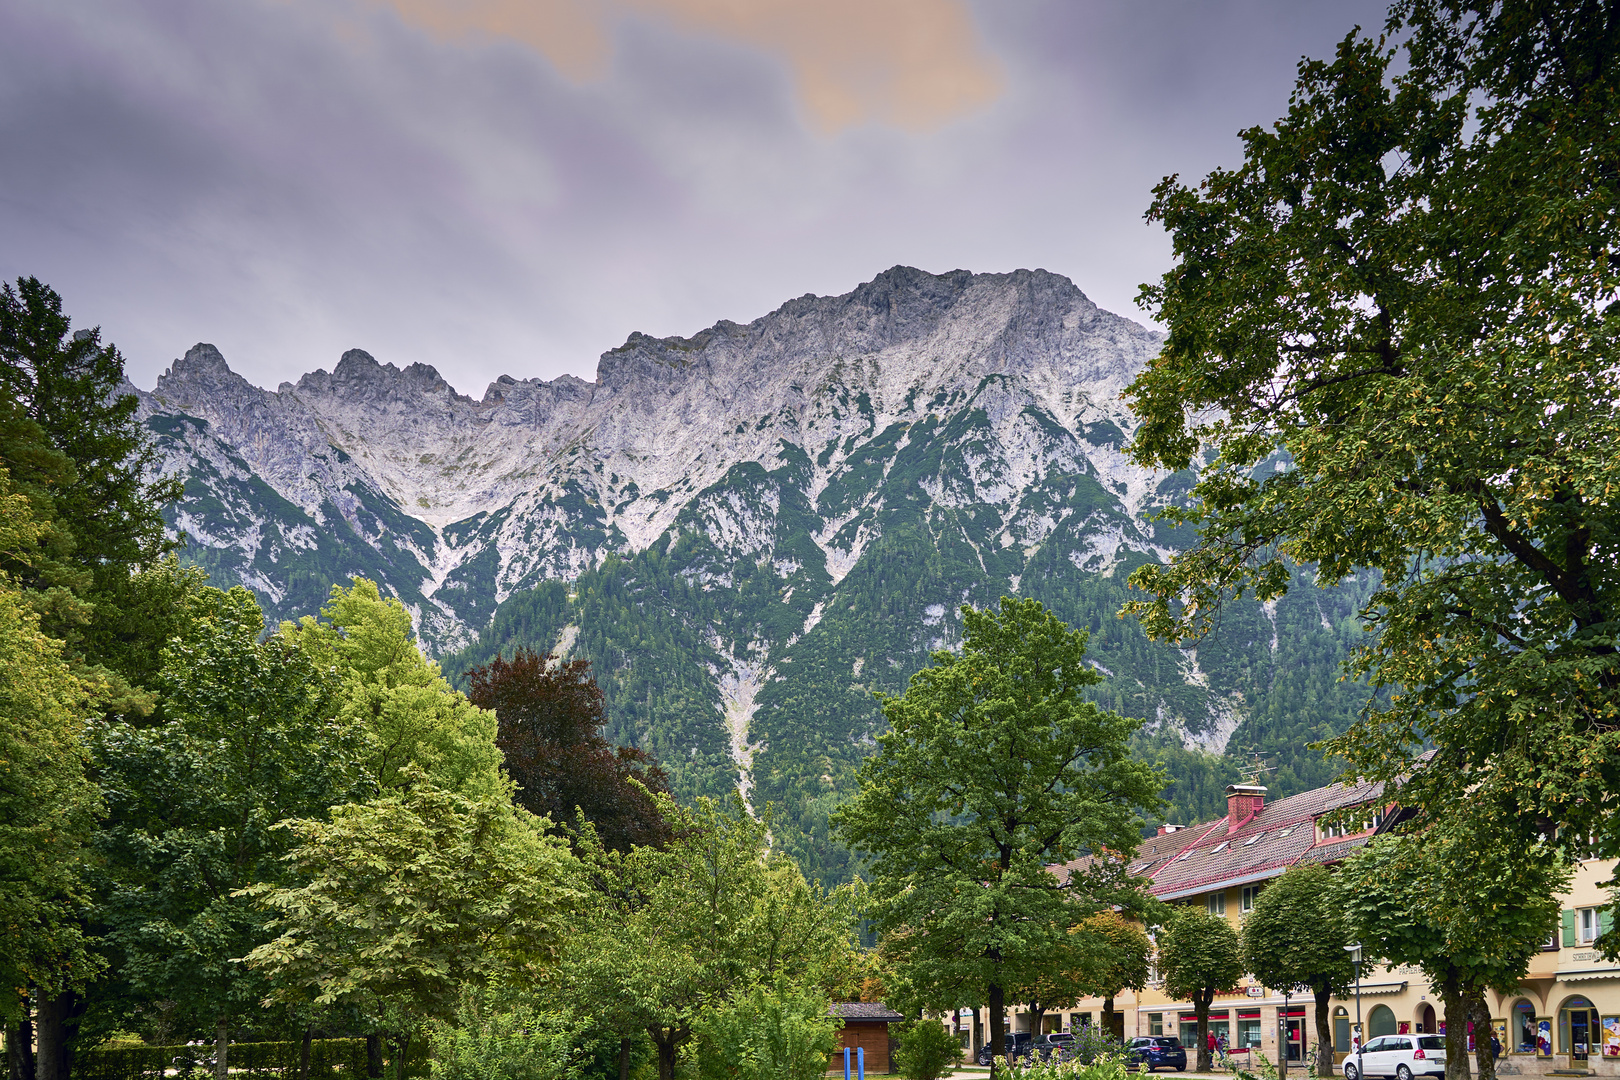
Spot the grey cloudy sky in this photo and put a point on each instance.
(513, 186)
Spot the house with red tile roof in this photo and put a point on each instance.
(1564, 1018)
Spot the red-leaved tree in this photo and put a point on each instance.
(550, 718)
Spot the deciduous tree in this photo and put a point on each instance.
(1392, 342)
(1469, 899)
(1199, 957)
(410, 714)
(243, 737)
(1117, 959)
(1296, 936)
(995, 767)
(405, 900)
(549, 720)
(681, 933)
(48, 806)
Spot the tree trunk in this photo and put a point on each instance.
(1036, 1012)
(402, 1046)
(1480, 1014)
(624, 1059)
(1201, 1008)
(998, 1025)
(668, 1041)
(54, 1018)
(1324, 1033)
(1456, 1006)
(303, 1052)
(222, 1044)
(1108, 1015)
(20, 1043)
(374, 1056)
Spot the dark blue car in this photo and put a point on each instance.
(1157, 1052)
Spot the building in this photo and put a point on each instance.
(1564, 1017)
(866, 1025)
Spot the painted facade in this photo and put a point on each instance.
(1564, 1017)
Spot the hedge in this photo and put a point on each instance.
(328, 1060)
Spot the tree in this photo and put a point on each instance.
(1469, 899)
(1199, 957)
(927, 1051)
(1391, 348)
(410, 714)
(243, 737)
(549, 729)
(1118, 959)
(78, 451)
(409, 898)
(1296, 936)
(674, 936)
(768, 1034)
(48, 805)
(994, 768)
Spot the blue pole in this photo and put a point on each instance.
(860, 1062)
(846, 1063)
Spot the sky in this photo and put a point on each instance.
(514, 186)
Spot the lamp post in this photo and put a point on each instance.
(1361, 1036)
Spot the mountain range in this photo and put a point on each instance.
(751, 530)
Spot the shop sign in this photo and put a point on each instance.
(1257, 991)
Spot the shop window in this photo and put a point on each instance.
(1216, 903)
(1522, 1028)
(1079, 1020)
(1155, 1023)
(1248, 1030)
(1381, 1021)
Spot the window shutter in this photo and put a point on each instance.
(1569, 928)
(1605, 920)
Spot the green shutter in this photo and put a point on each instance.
(1569, 929)
(1605, 920)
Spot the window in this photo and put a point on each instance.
(1215, 903)
(1218, 847)
(1253, 838)
(1589, 925)
(1155, 1023)
(1248, 1030)
(1381, 1021)
(1249, 893)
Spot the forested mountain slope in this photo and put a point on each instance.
(751, 530)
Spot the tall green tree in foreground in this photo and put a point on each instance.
(400, 903)
(48, 806)
(75, 448)
(995, 766)
(243, 736)
(714, 933)
(1393, 339)
(1199, 957)
(1457, 901)
(1296, 936)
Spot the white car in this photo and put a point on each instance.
(1399, 1056)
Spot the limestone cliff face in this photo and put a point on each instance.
(750, 530)
(468, 501)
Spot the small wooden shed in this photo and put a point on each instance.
(866, 1025)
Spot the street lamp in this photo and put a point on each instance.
(1361, 1036)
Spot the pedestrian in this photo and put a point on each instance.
(1496, 1047)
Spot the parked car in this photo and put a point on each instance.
(1400, 1056)
(1154, 1052)
(1019, 1045)
(1052, 1045)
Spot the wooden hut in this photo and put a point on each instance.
(866, 1025)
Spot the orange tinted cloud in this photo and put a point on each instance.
(910, 63)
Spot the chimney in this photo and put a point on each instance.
(1165, 830)
(1243, 801)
